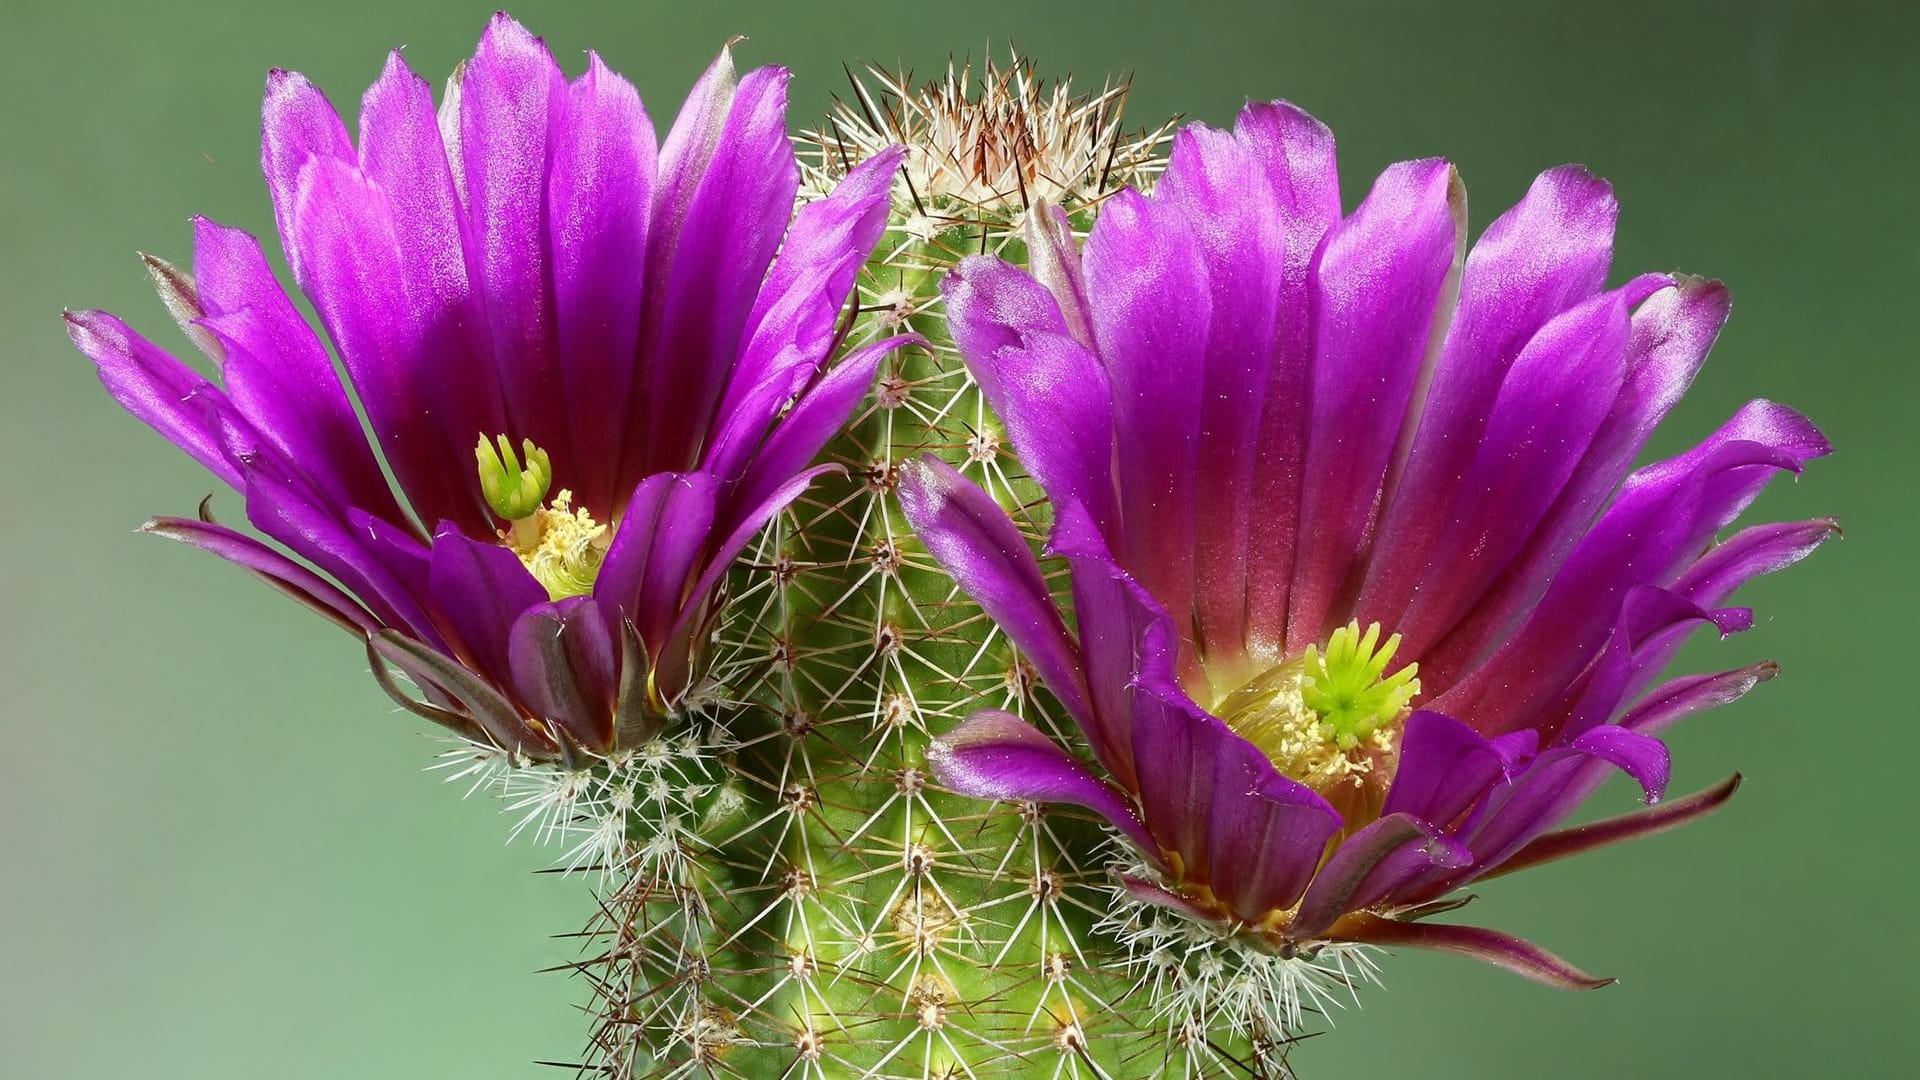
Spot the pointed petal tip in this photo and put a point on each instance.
(284, 84)
(1493, 947)
(1285, 109)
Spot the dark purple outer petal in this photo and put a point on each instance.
(980, 546)
(1112, 620)
(1043, 383)
(1371, 864)
(276, 568)
(1487, 946)
(995, 755)
(1616, 830)
(481, 588)
(1446, 766)
(656, 549)
(566, 668)
(1264, 834)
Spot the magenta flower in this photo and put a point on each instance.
(518, 266)
(1367, 598)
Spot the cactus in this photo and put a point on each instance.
(743, 742)
(783, 889)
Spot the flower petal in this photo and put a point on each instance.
(482, 589)
(1680, 698)
(1616, 830)
(1554, 398)
(1672, 332)
(565, 669)
(272, 567)
(704, 269)
(1147, 283)
(277, 372)
(433, 669)
(403, 154)
(1053, 258)
(1046, 386)
(599, 199)
(1664, 514)
(1242, 247)
(297, 123)
(157, 389)
(1445, 767)
(980, 546)
(815, 418)
(656, 549)
(1487, 946)
(1265, 833)
(1369, 865)
(792, 327)
(1546, 255)
(507, 96)
(349, 261)
(996, 755)
(1297, 153)
(1383, 291)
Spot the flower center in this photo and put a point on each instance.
(1323, 717)
(562, 547)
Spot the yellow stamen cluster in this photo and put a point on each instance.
(1323, 718)
(561, 546)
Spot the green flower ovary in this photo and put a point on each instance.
(1345, 687)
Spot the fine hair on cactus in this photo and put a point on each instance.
(980, 586)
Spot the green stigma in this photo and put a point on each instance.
(560, 544)
(1345, 687)
(513, 491)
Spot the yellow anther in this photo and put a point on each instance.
(561, 546)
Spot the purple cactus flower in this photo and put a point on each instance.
(1368, 599)
(526, 266)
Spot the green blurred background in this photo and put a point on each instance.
(219, 856)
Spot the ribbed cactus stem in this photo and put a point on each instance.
(811, 903)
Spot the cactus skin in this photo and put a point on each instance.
(785, 893)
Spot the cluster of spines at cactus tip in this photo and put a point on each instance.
(783, 889)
